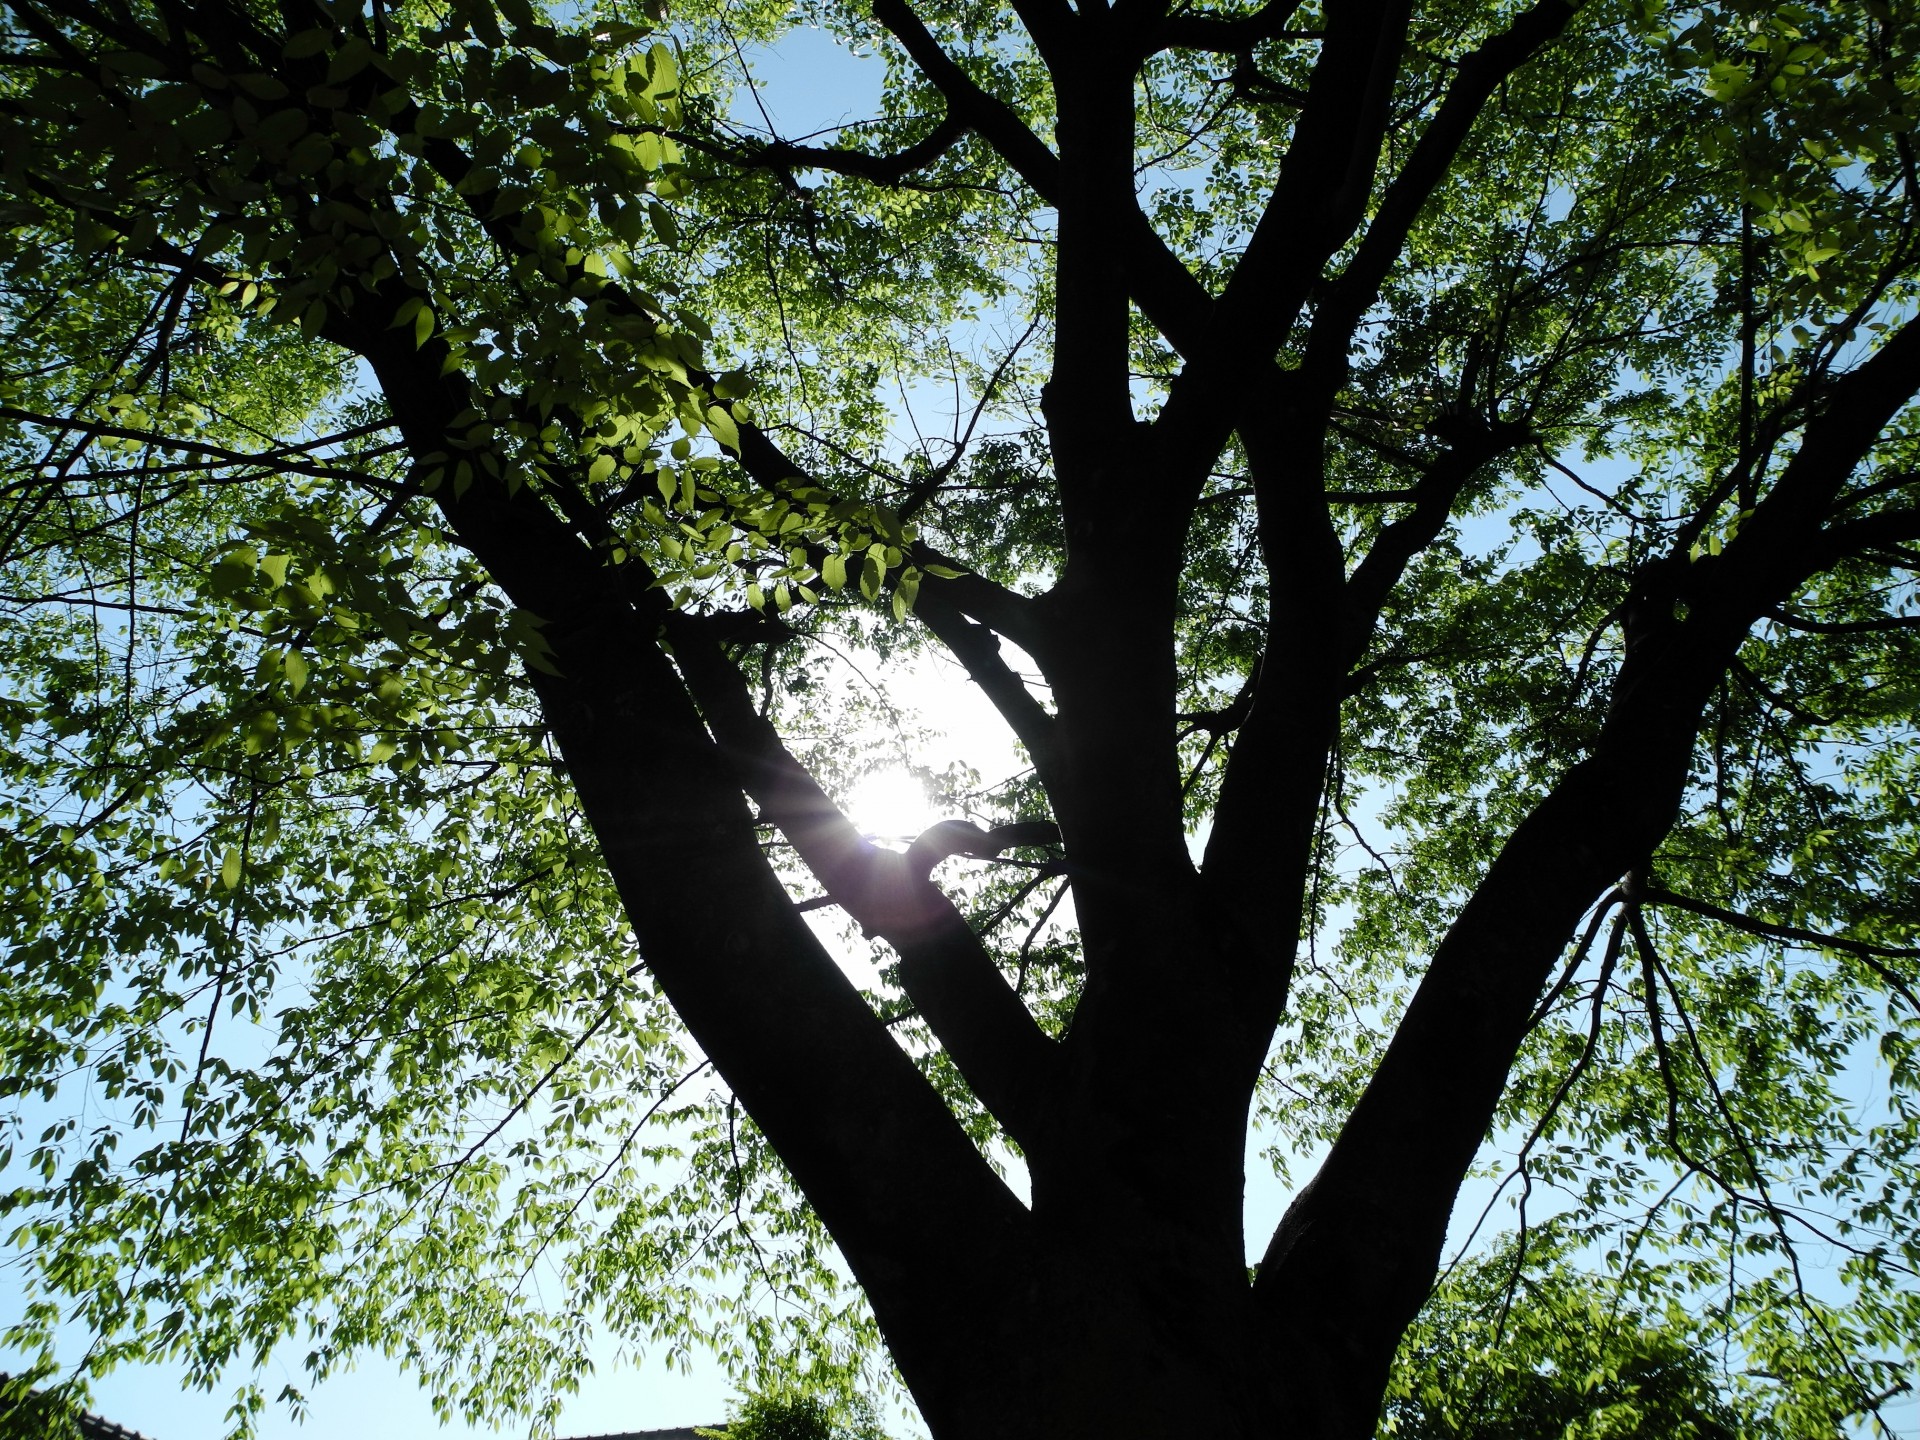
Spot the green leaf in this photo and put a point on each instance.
(136, 63)
(663, 74)
(720, 425)
(629, 223)
(280, 129)
(262, 87)
(310, 154)
(353, 56)
(303, 44)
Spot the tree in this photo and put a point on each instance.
(1511, 1348)
(446, 442)
(790, 1414)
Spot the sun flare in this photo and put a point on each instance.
(891, 805)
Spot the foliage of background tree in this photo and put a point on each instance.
(1513, 1347)
(25, 1410)
(1430, 488)
(793, 1414)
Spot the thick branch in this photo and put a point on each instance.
(944, 968)
(1388, 1186)
(1167, 293)
(1478, 76)
(1190, 31)
(917, 1210)
(1270, 795)
(1325, 179)
(1396, 546)
(928, 1229)
(1859, 405)
(1885, 527)
(1319, 198)
(978, 649)
(988, 116)
(1056, 30)
(1389, 1183)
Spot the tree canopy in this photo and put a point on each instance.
(793, 1414)
(1430, 490)
(1512, 1346)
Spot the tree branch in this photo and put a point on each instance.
(925, 1223)
(1373, 579)
(945, 969)
(885, 170)
(1478, 76)
(1167, 293)
(978, 649)
(1236, 36)
(988, 116)
(1274, 781)
(1881, 528)
(1390, 1180)
(1233, 714)
(1869, 954)
(281, 460)
(1781, 616)
(1325, 178)
(1006, 611)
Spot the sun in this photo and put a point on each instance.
(891, 805)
